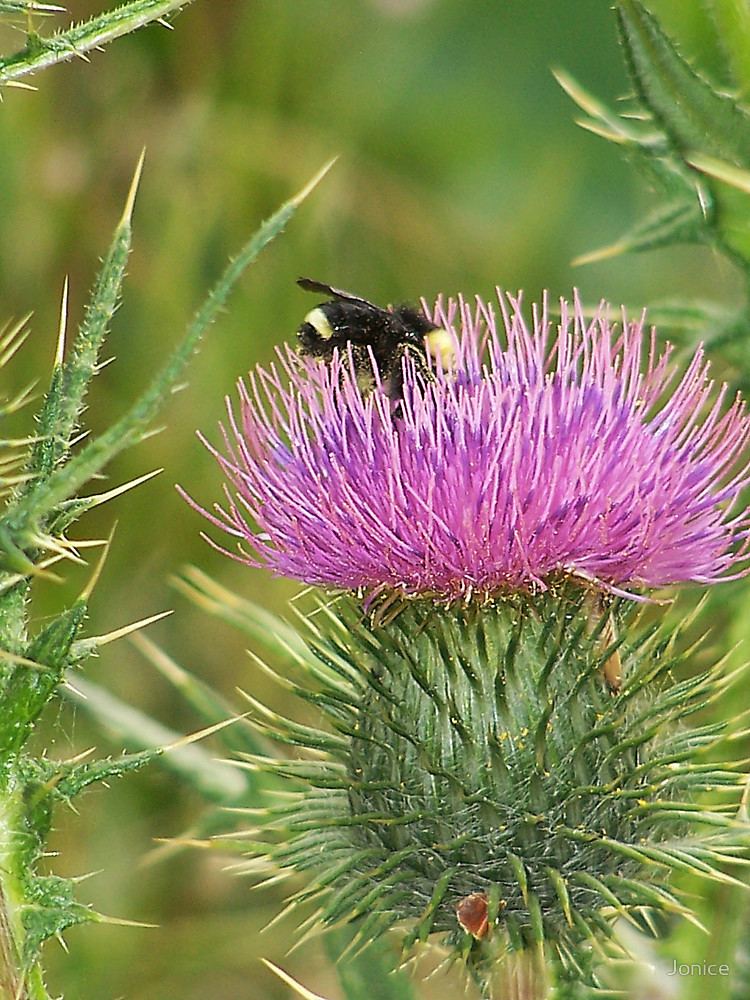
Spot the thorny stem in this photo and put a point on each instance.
(15, 983)
(78, 39)
(9, 976)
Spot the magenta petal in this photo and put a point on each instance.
(548, 449)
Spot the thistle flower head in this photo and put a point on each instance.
(541, 451)
(510, 772)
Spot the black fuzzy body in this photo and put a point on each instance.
(384, 336)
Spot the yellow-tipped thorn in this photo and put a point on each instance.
(8, 332)
(119, 633)
(60, 351)
(87, 543)
(604, 133)
(89, 588)
(14, 339)
(44, 574)
(159, 659)
(185, 842)
(743, 813)
(84, 878)
(257, 705)
(96, 499)
(20, 85)
(312, 184)
(77, 760)
(579, 96)
(298, 988)
(603, 253)
(61, 941)
(63, 551)
(102, 918)
(127, 214)
(201, 734)
(21, 661)
(721, 171)
(76, 691)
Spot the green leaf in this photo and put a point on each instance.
(680, 222)
(50, 909)
(694, 115)
(732, 20)
(688, 214)
(81, 366)
(25, 515)
(28, 686)
(63, 403)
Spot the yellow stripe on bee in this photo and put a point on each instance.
(441, 344)
(319, 322)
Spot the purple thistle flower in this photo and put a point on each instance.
(539, 453)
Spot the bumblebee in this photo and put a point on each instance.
(385, 335)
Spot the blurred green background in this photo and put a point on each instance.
(460, 167)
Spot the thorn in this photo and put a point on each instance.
(58, 547)
(21, 661)
(118, 633)
(200, 734)
(84, 878)
(61, 941)
(743, 814)
(99, 498)
(185, 842)
(578, 95)
(89, 588)
(79, 437)
(20, 562)
(298, 198)
(14, 339)
(20, 85)
(101, 365)
(159, 659)
(77, 760)
(151, 433)
(60, 352)
(127, 214)
(604, 133)
(721, 171)
(87, 543)
(298, 988)
(76, 691)
(101, 918)
(603, 253)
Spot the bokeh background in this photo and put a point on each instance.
(460, 167)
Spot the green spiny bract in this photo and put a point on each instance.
(485, 755)
(43, 500)
(694, 150)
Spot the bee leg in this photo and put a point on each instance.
(420, 366)
(363, 367)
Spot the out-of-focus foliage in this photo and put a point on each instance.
(460, 167)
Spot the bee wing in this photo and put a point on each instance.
(310, 285)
